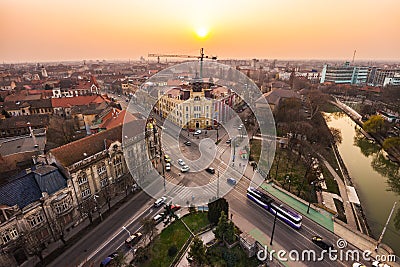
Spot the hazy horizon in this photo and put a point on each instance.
(53, 31)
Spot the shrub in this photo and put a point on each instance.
(172, 251)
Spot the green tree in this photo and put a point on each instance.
(197, 252)
(374, 124)
(215, 208)
(149, 229)
(225, 229)
(391, 142)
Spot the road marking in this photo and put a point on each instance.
(130, 221)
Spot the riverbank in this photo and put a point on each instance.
(393, 154)
(374, 176)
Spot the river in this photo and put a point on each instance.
(377, 179)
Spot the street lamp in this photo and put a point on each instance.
(273, 227)
(309, 201)
(97, 206)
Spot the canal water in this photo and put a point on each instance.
(376, 178)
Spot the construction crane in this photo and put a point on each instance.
(201, 57)
(354, 55)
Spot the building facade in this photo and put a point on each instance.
(37, 208)
(345, 74)
(197, 106)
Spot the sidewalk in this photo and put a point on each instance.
(75, 230)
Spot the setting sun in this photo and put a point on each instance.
(202, 32)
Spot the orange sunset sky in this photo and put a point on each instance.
(283, 29)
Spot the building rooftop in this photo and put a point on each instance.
(83, 148)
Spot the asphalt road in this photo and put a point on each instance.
(108, 236)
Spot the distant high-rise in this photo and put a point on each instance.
(344, 74)
(44, 72)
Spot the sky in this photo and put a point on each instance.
(127, 29)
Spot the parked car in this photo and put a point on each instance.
(168, 166)
(210, 170)
(160, 201)
(188, 143)
(231, 181)
(229, 141)
(175, 207)
(185, 168)
(167, 158)
(108, 260)
(197, 132)
(321, 243)
(181, 162)
(159, 218)
(133, 239)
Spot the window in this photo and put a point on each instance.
(85, 190)
(82, 178)
(6, 237)
(35, 219)
(104, 182)
(63, 205)
(102, 171)
(118, 166)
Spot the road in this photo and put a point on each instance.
(109, 236)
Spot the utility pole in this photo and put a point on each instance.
(217, 184)
(273, 227)
(384, 228)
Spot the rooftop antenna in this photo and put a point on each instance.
(354, 55)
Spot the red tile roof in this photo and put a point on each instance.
(77, 101)
(78, 150)
(116, 118)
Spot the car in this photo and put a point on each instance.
(175, 207)
(160, 201)
(379, 264)
(321, 243)
(197, 132)
(229, 141)
(167, 158)
(210, 170)
(188, 143)
(231, 181)
(158, 218)
(108, 260)
(168, 166)
(133, 239)
(181, 162)
(357, 264)
(185, 168)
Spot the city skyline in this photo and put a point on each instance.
(97, 30)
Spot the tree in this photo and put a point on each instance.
(88, 207)
(374, 124)
(197, 252)
(5, 113)
(215, 208)
(225, 229)
(149, 229)
(336, 135)
(391, 142)
(170, 213)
